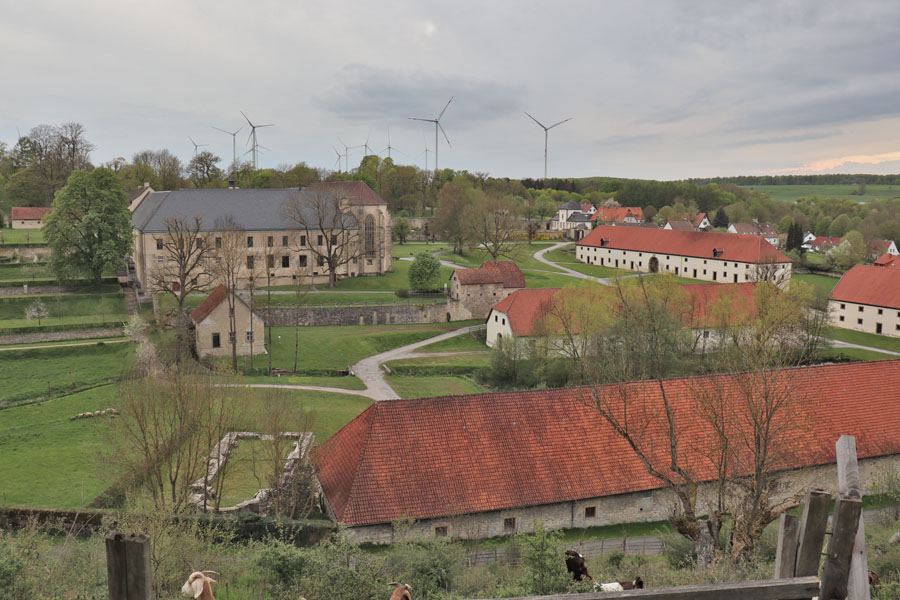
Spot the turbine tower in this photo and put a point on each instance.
(437, 125)
(196, 145)
(425, 152)
(255, 147)
(233, 146)
(546, 134)
(389, 147)
(339, 156)
(346, 154)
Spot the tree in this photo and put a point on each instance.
(332, 231)
(851, 251)
(36, 310)
(721, 219)
(166, 165)
(203, 171)
(89, 229)
(541, 558)
(424, 273)
(494, 220)
(401, 229)
(49, 154)
(794, 236)
(840, 226)
(230, 253)
(454, 201)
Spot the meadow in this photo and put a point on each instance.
(790, 193)
(11, 237)
(63, 309)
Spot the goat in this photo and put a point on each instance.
(198, 586)
(621, 586)
(401, 591)
(575, 565)
(874, 579)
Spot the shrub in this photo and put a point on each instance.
(543, 561)
(282, 562)
(429, 565)
(614, 559)
(424, 273)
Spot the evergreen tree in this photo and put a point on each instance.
(721, 219)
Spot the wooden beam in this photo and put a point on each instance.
(812, 532)
(848, 483)
(847, 513)
(786, 551)
(798, 588)
(115, 566)
(128, 567)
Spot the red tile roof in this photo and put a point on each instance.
(617, 214)
(492, 271)
(209, 304)
(525, 307)
(823, 240)
(358, 191)
(435, 457)
(29, 213)
(868, 284)
(699, 244)
(751, 228)
(886, 260)
(699, 219)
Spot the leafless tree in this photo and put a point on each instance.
(331, 231)
(494, 222)
(229, 259)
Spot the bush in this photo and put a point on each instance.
(543, 561)
(614, 559)
(424, 273)
(430, 565)
(282, 562)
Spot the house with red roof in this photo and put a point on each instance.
(28, 217)
(867, 298)
(701, 222)
(527, 313)
(820, 243)
(763, 230)
(479, 289)
(886, 260)
(879, 247)
(213, 330)
(609, 215)
(709, 256)
(478, 466)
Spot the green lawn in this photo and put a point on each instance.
(413, 248)
(790, 193)
(863, 339)
(852, 353)
(29, 374)
(85, 341)
(522, 255)
(247, 472)
(48, 460)
(314, 299)
(460, 343)
(25, 272)
(819, 282)
(546, 279)
(426, 387)
(345, 383)
(21, 236)
(454, 364)
(64, 309)
(398, 279)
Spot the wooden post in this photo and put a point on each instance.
(786, 551)
(847, 512)
(848, 483)
(812, 533)
(128, 567)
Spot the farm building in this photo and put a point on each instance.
(479, 289)
(28, 217)
(710, 256)
(867, 298)
(494, 464)
(212, 326)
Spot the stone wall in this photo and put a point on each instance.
(416, 311)
(59, 336)
(651, 505)
(42, 252)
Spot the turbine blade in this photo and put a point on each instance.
(267, 125)
(536, 121)
(560, 123)
(445, 109)
(248, 118)
(342, 143)
(445, 135)
(222, 130)
(418, 119)
(336, 152)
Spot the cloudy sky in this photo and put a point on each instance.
(655, 89)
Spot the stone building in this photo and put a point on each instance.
(867, 298)
(494, 464)
(702, 255)
(479, 289)
(212, 326)
(28, 217)
(275, 243)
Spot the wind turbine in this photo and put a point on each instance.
(389, 147)
(196, 145)
(365, 144)
(233, 146)
(338, 163)
(252, 136)
(546, 133)
(425, 152)
(437, 125)
(346, 154)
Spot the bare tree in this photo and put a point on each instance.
(331, 231)
(229, 258)
(36, 310)
(494, 222)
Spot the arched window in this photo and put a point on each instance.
(370, 236)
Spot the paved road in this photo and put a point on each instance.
(446, 263)
(539, 255)
(840, 344)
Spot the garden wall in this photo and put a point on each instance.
(386, 314)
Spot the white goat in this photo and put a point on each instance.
(198, 586)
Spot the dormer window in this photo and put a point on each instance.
(604, 241)
(717, 252)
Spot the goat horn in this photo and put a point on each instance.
(209, 572)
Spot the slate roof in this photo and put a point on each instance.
(357, 191)
(869, 284)
(499, 271)
(699, 244)
(579, 217)
(29, 213)
(252, 209)
(436, 457)
(571, 205)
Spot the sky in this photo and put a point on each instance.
(654, 89)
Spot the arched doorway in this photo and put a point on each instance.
(654, 264)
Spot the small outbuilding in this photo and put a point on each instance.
(479, 289)
(28, 217)
(213, 329)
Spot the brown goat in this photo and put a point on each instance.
(198, 585)
(401, 592)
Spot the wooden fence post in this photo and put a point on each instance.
(128, 567)
(848, 483)
(786, 551)
(812, 533)
(847, 512)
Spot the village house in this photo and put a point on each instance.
(819, 243)
(212, 326)
(886, 260)
(479, 289)
(478, 466)
(274, 243)
(682, 225)
(616, 215)
(28, 217)
(709, 256)
(571, 220)
(701, 222)
(519, 314)
(763, 230)
(879, 247)
(867, 298)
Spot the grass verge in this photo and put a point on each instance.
(426, 387)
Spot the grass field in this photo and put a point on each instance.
(823, 283)
(64, 309)
(48, 460)
(348, 382)
(413, 248)
(426, 387)
(26, 375)
(790, 193)
(522, 255)
(82, 341)
(863, 339)
(21, 236)
(454, 364)
(398, 279)
(25, 271)
(460, 343)
(246, 472)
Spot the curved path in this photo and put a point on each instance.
(539, 255)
